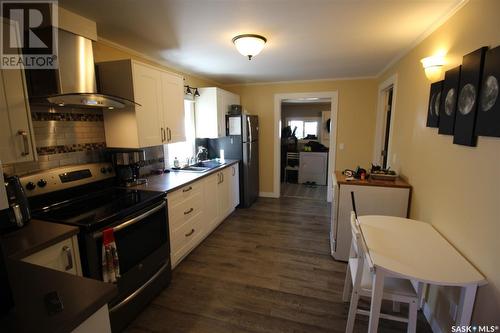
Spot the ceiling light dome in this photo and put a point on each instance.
(249, 45)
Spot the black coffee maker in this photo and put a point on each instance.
(127, 163)
(18, 213)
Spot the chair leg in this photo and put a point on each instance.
(347, 285)
(420, 294)
(396, 306)
(353, 307)
(412, 317)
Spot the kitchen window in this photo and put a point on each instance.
(305, 127)
(186, 149)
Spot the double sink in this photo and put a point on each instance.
(202, 166)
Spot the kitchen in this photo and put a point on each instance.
(85, 156)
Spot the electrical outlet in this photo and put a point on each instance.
(341, 146)
(453, 311)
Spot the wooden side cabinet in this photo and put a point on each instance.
(63, 256)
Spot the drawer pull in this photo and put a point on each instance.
(24, 135)
(69, 258)
(190, 233)
(189, 211)
(187, 189)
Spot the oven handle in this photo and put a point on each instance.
(132, 221)
(140, 289)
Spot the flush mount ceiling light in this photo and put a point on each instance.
(433, 66)
(249, 45)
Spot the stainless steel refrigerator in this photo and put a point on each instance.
(242, 143)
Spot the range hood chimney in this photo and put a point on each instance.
(74, 82)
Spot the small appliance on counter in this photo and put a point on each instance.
(18, 212)
(127, 163)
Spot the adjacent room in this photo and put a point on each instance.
(201, 166)
(305, 138)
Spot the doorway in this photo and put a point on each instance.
(387, 130)
(308, 132)
(305, 138)
(385, 123)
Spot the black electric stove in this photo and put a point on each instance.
(95, 209)
(87, 196)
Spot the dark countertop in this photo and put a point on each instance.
(341, 179)
(30, 283)
(80, 296)
(173, 180)
(35, 236)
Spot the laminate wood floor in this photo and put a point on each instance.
(316, 192)
(264, 269)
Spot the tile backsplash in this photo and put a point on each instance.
(65, 136)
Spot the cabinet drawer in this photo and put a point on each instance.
(184, 239)
(184, 193)
(61, 257)
(184, 211)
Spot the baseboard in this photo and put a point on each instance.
(268, 195)
(430, 319)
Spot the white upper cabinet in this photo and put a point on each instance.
(157, 120)
(173, 103)
(211, 108)
(16, 138)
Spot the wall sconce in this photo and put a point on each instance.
(433, 67)
(191, 91)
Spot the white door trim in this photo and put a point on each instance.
(380, 126)
(333, 95)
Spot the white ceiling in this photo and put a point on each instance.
(315, 39)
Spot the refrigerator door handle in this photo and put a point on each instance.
(249, 123)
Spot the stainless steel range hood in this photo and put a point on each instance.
(74, 82)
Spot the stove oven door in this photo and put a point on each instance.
(144, 257)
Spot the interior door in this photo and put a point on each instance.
(173, 107)
(148, 93)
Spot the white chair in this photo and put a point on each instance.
(358, 283)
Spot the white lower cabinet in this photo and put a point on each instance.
(63, 256)
(195, 210)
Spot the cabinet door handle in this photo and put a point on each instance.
(234, 171)
(69, 257)
(169, 135)
(187, 189)
(222, 177)
(162, 134)
(190, 233)
(24, 136)
(189, 211)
